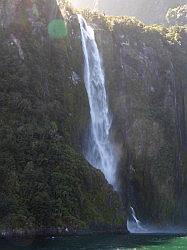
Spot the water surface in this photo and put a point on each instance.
(114, 242)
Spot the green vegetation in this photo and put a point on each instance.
(44, 181)
(46, 184)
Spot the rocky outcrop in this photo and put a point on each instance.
(8, 9)
(11, 11)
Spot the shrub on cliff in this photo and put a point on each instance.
(177, 16)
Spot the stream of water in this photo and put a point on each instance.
(100, 151)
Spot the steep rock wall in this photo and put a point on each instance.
(146, 73)
(45, 181)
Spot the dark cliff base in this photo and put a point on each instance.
(57, 232)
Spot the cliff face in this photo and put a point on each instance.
(45, 116)
(146, 73)
(145, 69)
(45, 181)
(10, 11)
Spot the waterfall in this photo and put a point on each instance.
(133, 224)
(134, 217)
(100, 151)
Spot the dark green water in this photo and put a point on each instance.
(114, 242)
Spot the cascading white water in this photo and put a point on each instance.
(134, 217)
(100, 151)
(133, 224)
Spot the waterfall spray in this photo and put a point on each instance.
(133, 224)
(100, 151)
(134, 217)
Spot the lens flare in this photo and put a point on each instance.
(57, 29)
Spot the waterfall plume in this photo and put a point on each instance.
(100, 151)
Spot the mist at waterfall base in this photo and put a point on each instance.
(100, 152)
(135, 226)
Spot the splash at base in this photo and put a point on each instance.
(135, 226)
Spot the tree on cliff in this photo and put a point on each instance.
(177, 16)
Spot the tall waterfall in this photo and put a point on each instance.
(100, 151)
